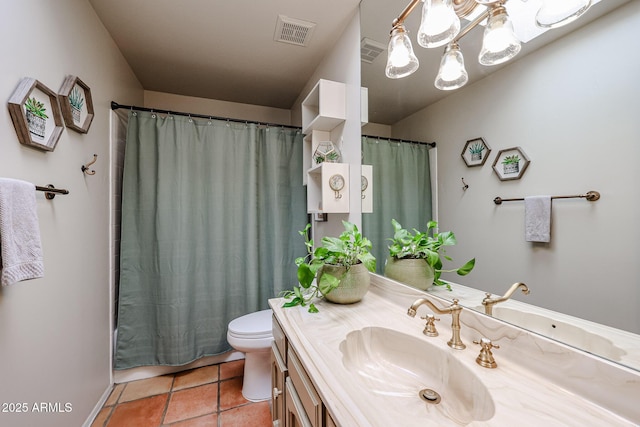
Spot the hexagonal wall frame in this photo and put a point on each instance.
(475, 152)
(30, 106)
(76, 104)
(510, 163)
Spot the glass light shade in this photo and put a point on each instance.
(452, 74)
(556, 13)
(439, 25)
(499, 43)
(401, 61)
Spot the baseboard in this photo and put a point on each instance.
(96, 409)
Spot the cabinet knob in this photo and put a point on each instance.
(276, 392)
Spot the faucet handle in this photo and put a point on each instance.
(485, 358)
(430, 328)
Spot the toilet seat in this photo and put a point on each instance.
(252, 326)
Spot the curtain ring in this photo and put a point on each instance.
(190, 119)
(153, 115)
(209, 122)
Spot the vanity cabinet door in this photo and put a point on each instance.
(295, 414)
(278, 375)
(305, 390)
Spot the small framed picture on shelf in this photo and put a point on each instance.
(36, 115)
(510, 163)
(475, 152)
(76, 104)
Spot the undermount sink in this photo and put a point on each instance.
(569, 334)
(407, 375)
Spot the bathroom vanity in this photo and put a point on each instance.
(369, 364)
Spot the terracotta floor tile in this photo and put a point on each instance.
(252, 415)
(192, 402)
(115, 394)
(232, 369)
(231, 393)
(139, 413)
(210, 420)
(195, 377)
(145, 388)
(102, 416)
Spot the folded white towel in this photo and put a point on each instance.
(20, 246)
(537, 218)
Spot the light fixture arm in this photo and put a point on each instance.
(463, 32)
(405, 13)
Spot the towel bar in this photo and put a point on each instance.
(50, 191)
(591, 196)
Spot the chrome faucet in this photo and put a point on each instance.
(454, 309)
(489, 303)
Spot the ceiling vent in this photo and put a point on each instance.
(293, 31)
(370, 49)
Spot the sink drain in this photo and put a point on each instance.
(429, 396)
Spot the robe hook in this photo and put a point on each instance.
(464, 185)
(85, 168)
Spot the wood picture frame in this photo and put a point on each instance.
(76, 104)
(475, 152)
(36, 115)
(511, 163)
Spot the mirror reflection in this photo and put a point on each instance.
(569, 101)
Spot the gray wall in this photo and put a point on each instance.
(55, 331)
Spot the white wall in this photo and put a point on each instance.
(55, 331)
(574, 108)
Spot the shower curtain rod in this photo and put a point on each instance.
(430, 144)
(116, 106)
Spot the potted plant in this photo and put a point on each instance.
(338, 270)
(511, 164)
(36, 116)
(415, 257)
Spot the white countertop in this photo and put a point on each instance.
(537, 381)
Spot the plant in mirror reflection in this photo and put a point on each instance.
(428, 245)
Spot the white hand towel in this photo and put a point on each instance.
(537, 218)
(20, 246)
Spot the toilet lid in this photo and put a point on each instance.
(252, 325)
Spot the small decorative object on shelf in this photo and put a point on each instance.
(364, 183)
(510, 163)
(326, 151)
(36, 115)
(336, 182)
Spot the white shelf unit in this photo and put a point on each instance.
(323, 110)
(320, 197)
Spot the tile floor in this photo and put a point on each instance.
(210, 396)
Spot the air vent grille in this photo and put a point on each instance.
(293, 31)
(370, 49)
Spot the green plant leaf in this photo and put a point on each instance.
(305, 275)
(447, 238)
(466, 269)
(312, 308)
(369, 261)
(327, 283)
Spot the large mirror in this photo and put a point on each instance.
(569, 100)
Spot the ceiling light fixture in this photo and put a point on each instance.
(441, 26)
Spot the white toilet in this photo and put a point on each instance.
(252, 335)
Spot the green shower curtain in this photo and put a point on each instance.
(401, 190)
(210, 217)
